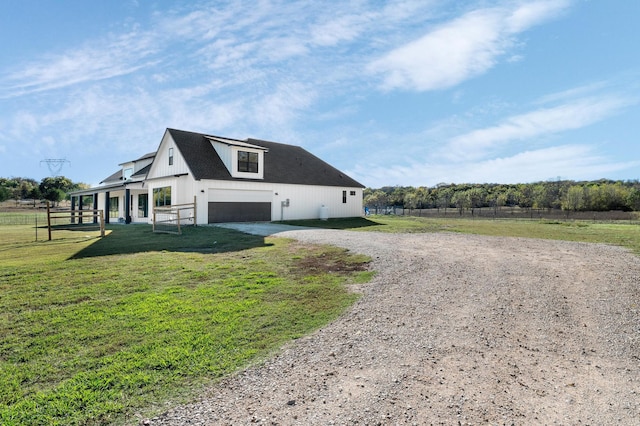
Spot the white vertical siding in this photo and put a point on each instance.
(224, 152)
(305, 201)
(161, 165)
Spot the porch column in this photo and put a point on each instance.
(127, 205)
(106, 207)
(95, 207)
(73, 207)
(80, 199)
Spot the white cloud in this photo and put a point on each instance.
(535, 124)
(531, 13)
(338, 29)
(280, 106)
(462, 48)
(569, 161)
(576, 162)
(112, 58)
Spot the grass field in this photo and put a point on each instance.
(623, 234)
(95, 331)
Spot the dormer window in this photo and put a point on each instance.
(243, 160)
(126, 173)
(247, 162)
(171, 156)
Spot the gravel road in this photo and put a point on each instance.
(455, 329)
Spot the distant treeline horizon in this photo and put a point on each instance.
(50, 188)
(568, 195)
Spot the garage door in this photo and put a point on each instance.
(239, 212)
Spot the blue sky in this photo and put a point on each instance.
(392, 93)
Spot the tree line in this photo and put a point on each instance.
(601, 195)
(54, 189)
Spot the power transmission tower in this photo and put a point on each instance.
(55, 165)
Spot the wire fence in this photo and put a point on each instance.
(511, 213)
(23, 218)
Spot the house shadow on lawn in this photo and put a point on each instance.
(128, 239)
(338, 223)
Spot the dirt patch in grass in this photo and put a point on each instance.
(319, 260)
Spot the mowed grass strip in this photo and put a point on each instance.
(623, 234)
(95, 331)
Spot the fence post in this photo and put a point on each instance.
(49, 220)
(101, 212)
(179, 231)
(195, 212)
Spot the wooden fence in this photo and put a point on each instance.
(74, 220)
(171, 219)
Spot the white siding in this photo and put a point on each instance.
(161, 167)
(224, 152)
(240, 196)
(305, 201)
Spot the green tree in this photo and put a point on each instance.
(55, 189)
(573, 199)
(444, 198)
(377, 199)
(633, 199)
(461, 200)
(410, 200)
(476, 198)
(5, 193)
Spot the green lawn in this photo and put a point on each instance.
(95, 330)
(622, 234)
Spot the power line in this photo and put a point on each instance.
(55, 165)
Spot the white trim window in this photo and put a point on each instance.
(247, 162)
(162, 196)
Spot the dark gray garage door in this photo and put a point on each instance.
(239, 212)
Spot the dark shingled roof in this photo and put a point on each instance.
(282, 163)
(143, 171)
(117, 176)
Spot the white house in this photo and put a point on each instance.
(230, 180)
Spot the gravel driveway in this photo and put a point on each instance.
(455, 329)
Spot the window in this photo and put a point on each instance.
(344, 197)
(247, 162)
(352, 193)
(162, 196)
(126, 174)
(113, 206)
(143, 205)
(171, 156)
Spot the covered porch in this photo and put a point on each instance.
(122, 203)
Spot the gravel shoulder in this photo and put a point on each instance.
(455, 329)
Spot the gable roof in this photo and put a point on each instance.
(117, 176)
(282, 163)
(144, 157)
